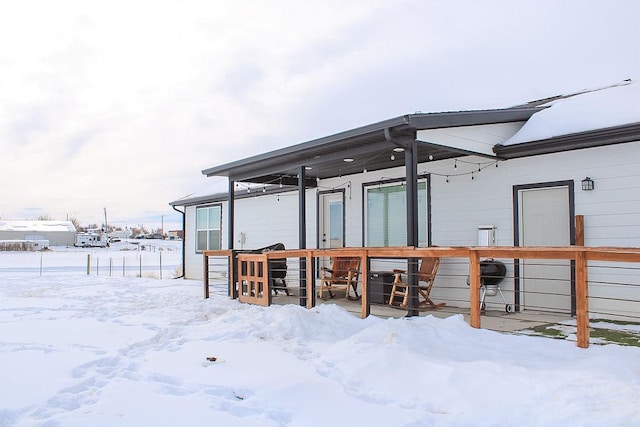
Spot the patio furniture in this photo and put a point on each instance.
(343, 275)
(426, 276)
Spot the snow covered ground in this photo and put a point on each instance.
(99, 350)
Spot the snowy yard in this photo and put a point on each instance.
(78, 350)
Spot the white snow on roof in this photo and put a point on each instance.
(614, 105)
(39, 226)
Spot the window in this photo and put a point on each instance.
(386, 217)
(208, 230)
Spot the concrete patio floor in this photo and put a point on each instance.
(493, 319)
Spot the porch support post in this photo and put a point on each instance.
(302, 236)
(582, 299)
(411, 165)
(231, 197)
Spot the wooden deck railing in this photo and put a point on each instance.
(580, 254)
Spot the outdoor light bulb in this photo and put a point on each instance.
(430, 156)
(393, 157)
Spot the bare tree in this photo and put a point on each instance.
(76, 224)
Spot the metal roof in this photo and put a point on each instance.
(370, 147)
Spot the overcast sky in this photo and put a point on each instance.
(121, 104)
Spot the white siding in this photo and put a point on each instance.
(264, 220)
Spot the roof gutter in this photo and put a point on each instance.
(183, 240)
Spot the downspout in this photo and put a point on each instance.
(184, 266)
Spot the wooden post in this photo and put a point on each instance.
(205, 279)
(364, 266)
(582, 300)
(474, 289)
(579, 230)
(88, 264)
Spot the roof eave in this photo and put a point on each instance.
(404, 125)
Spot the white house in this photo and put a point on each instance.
(58, 233)
(519, 170)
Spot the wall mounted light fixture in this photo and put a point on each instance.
(587, 184)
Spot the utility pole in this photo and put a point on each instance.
(106, 225)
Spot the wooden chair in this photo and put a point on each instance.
(343, 275)
(426, 276)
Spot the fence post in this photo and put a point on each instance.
(88, 264)
(97, 266)
(582, 300)
(205, 279)
(160, 265)
(110, 265)
(474, 289)
(140, 266)
(364, 266)
(579, 230)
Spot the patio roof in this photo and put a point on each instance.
(369, 147)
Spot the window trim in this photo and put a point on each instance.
(196, 229)
(426, 178)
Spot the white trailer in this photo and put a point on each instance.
(94, 240)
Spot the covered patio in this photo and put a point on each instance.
(407, 140)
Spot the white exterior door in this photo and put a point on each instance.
(545, 220)
(331, 232)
